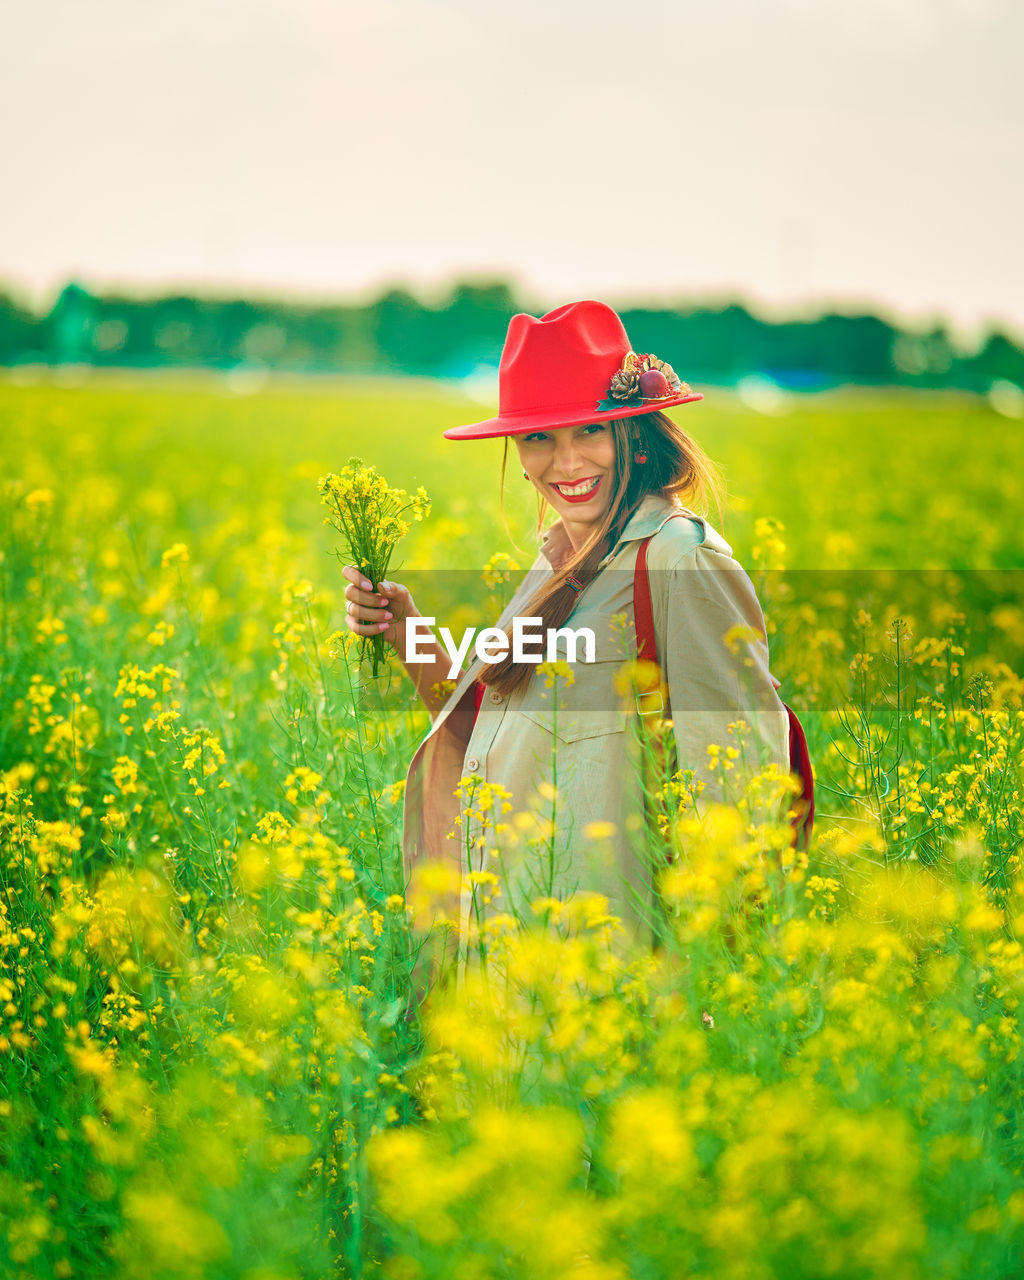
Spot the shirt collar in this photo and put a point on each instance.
(650, 515)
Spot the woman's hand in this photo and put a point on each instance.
(369, 612)
(385, 613)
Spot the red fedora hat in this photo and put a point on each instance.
(572, 366)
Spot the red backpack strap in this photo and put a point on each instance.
(643, 610)
(800, 764)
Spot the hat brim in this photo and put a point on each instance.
(521, 423)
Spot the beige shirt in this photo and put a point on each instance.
(578, 736)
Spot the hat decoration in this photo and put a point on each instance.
(640, 380)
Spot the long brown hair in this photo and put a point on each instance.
(676, 465)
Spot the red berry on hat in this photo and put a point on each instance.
(653, 384)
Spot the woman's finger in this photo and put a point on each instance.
(366, 628)
(367, 613)
(357, 577)
(368, 598)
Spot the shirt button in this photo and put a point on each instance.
(472, 764)
(495, 696)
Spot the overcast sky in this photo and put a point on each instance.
(863, 152)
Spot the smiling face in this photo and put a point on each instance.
(573, 468)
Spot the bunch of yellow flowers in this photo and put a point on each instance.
(368, 512)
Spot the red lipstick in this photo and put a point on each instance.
(580, 497)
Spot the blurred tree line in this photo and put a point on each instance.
(399, 333)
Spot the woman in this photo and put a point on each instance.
(587, 417)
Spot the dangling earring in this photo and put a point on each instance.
(639, 456)
(525, 476)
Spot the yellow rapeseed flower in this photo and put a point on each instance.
(176, 554)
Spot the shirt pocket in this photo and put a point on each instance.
(589, 708)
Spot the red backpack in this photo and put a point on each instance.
(799, 757)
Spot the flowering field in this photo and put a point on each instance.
(208, 1066)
